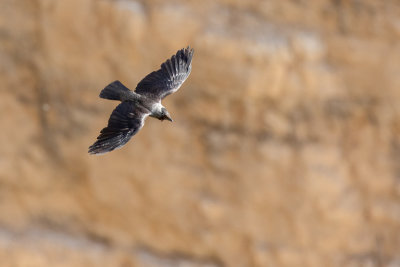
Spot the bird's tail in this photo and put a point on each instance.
(114, 91)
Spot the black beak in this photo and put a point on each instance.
(167, 117)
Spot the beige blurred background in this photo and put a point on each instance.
(285, 150)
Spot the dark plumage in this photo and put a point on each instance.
(129, 116)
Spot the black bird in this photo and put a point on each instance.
(128, 117)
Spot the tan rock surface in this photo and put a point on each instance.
(285, 148)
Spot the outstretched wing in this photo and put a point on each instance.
(125, 121)
(169, 78)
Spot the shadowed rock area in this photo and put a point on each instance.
(284, 151)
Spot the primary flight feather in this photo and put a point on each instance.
(129, 116)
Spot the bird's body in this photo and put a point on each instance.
(129, 116)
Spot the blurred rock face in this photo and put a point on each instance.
(285, 148)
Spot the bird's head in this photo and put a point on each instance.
(165, 115)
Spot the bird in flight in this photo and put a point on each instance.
(129, 116)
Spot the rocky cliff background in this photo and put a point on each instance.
(285, 150)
